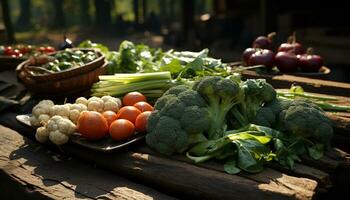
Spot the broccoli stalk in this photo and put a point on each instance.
(221, 95)
(257, 93)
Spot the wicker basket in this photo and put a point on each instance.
(66, 85)
(64, 73)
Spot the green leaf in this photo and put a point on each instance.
(174, 67)
(316, 151)
(231, 168)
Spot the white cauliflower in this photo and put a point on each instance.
(43, 107)
(42, 134)
(61, 110)
(111, 103)
(43, 118)
(58, 138)
(81, 100)
(66, 126)
(41, 112)
(34, 121)
(60, 129)
(95, 104)
(75, 110)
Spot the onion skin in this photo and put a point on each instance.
(286, 62)
(310, 63)
(247, 53)
(295, 48)
(262, 57)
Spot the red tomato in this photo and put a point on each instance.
(143, 106)
(110, 116)
(128, 112)
(133, 97)
(92, 125)
(121, 129)
(41, 49)
(49, 49)
(8, 51)
(141, 121)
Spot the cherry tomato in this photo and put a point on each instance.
(49, 49)
(133, 97)
(41, 49)
(8, 51)
(110, 116)
(128, 112)
(141, 121)
(25, 49)
(143, 106)
(121, 129)
(16, 53)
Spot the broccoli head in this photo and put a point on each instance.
(179, 120)
(257, 92)
(297, 118)
(221, 95)
(305, 119)
(167, 136)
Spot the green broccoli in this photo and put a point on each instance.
(179, 120)
(221, 95)
(303, 126)
(299, 118)
(257, 93)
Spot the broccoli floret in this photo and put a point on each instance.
(195, 119)
(173, 108)
(176, 90)
(296, 118)
(257, 93)
(189, 110)
(160, 103)
(304, 119)
(221, 95)
(167, 137)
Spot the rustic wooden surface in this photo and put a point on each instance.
(30, 171)
(309, 84)
(165, 174)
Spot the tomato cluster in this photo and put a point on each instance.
(18, 51)
(290, 56)
(120, 124)
(132, 117)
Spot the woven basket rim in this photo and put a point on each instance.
(68, 72)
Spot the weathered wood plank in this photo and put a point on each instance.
(199, 182)
(288, 179)
(309, 84)
(47, 175)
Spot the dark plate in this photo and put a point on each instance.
(104, 145)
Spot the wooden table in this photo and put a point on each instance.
(29, 170)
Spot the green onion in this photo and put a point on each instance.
(151, 84)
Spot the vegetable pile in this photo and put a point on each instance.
(93, 119)
(242, 123)
(288, 57)
(58, 122)
(18, 51)
(64, 60)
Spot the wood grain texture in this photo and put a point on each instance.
(43, 174)
(309, 84)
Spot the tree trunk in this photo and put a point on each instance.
(144, 10)
(25, 14)
(7, 21)
(59, 21)
(136, 12)
(84, 10)
(187, 20)
(103, 12)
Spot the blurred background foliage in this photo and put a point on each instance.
(227, 27)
